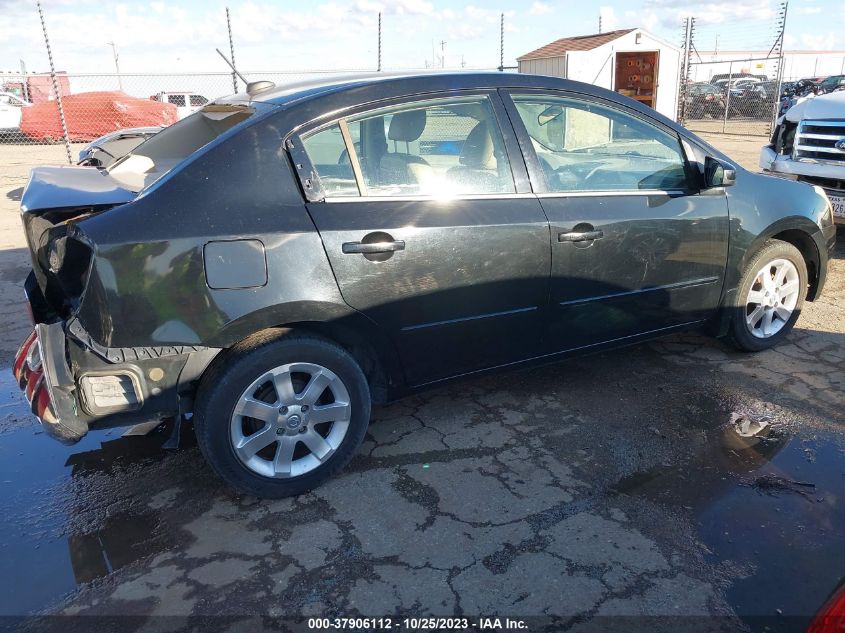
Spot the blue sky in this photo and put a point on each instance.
(164, 36)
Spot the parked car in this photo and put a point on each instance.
(808, 144)
(102, 152)
(89, 115)
(282, 258)
(754, 100)
(11, 107)
(703, 99)
(832, 83)
(185, 102)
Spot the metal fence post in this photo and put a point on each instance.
(379, 42)
(231, 51)
(56, 91)
(728, 98)
(779, 44)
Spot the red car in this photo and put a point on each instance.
(90, 115)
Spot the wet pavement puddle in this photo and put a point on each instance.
(40, 558)
(773, 507)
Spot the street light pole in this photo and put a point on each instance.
(116, 65)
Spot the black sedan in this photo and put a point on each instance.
(284, 257)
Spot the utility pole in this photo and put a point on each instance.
(116, 64)
(442, 53)
(24, 82)
(599, 21)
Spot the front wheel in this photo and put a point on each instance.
(281, 413)
(769, 297)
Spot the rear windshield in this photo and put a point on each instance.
(153, 159)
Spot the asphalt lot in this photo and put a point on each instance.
(612, 485)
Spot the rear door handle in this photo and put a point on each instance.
(580, 236)
(373, 247)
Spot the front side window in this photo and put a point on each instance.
(177, 100)
(437, 148)
(584, 146)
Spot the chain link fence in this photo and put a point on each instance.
(731, 75)
(97, 104)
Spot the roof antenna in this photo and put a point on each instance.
(234, 70)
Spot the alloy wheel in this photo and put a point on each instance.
(772, 298)
(290, 420)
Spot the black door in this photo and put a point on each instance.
(428, 235)
(635, 247)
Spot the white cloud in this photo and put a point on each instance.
(540, 8)
(714, 12)
(807, 10)
(819, 41)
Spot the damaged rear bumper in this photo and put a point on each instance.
(74, 385)
(42, 373)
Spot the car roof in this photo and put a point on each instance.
(409, 83)
(366, 87)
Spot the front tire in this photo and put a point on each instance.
(280, 413)
(769, 297)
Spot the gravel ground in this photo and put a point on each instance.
(612, 485)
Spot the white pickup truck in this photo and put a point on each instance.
(808, 144)
(186, 102)
(11, 108)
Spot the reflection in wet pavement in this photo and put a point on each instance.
(38, 504)
(772, 506)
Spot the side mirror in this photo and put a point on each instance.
(717, 174)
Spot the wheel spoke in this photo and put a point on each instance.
(315, 388)
(316, 444)
(783, 313)
(330, 413)
(789, 288)
(780, 273)
(252, 408)
(755, 296)
(755, 316)
(248, 446)
(283, 460)
(768, 316)
(284, 387)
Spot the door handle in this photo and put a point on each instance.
(373, 247)
(580, 236)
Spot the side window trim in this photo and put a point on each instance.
(309, 182)
(535, 170)
(310, 179)
(353, 157)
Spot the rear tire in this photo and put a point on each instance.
(769, 298)
(279, 413)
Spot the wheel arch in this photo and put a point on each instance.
(368, 344)
(797, 231)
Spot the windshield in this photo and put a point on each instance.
(154, 158)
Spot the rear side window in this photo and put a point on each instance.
(435, 148)
(327, 151)
(585, 146)
(162, 152)
(177, 100)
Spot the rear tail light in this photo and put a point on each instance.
(20, 357)
(32, 383)
(831, 617)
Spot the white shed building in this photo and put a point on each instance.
(632, 62)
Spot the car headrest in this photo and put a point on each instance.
(477, 151)
(406, 126)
